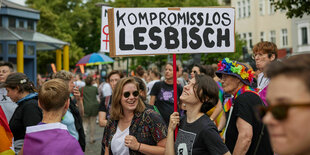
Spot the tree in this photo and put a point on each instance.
(63, 20)
(295, 8)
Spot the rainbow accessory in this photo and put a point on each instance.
(221, 91)
(6, 136)
(243, 89)
(235, 68)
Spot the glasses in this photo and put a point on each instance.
(259, 55)
(194, 72)
(279, 112)
(127, 94)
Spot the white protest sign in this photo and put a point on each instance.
(147, 31)
(104, 41)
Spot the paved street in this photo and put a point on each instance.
(94, 149)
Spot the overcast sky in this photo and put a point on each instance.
(22, 2)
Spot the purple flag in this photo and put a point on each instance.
(51, 139)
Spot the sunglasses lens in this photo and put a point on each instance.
(135, 93)
(279, 112)
(126, 94)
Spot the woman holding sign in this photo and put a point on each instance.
(133, 129)
(197, 133)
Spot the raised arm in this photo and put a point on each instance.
(174, 121)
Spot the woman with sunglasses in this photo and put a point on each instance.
(288, 95)
(197, 134)
(244, 133)
(131, 128)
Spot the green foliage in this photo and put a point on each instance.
(211, 58)
(295, 8)
(64, 20)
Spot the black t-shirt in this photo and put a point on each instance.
(26, 114)
(105, 105)
(164, 98)
(244, 107)
(199, 137)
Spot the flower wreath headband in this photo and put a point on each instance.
(233, 67)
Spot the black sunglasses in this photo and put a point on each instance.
(279, 111)
(127, 94)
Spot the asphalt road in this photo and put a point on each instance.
(95, 148)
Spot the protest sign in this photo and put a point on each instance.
(148, 31)
(104, 41)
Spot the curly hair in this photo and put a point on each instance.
(64, 75)
(266, 47)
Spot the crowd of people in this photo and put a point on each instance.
(226, 108)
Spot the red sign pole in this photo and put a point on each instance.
(175, 91)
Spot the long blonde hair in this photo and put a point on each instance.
(116, 110)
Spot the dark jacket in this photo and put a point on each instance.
(78, 123)
(26, 114)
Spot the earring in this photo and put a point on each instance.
(184, 104)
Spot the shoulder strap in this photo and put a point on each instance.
(82, 92)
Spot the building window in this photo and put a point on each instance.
(30, 50)
(273, 36)
(271, 7)
(30, 25)
(250, 42)
(244, 9)
(249, 8)
(262, 36)
(261, 7)
(21, 24)
(304, 36)
(239, 10)
(12, 22)
(284, 38)
(244, 36)
(12, 49)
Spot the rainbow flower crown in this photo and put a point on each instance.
(235, 68)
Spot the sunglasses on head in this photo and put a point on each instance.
(280, 111)
(127, 94)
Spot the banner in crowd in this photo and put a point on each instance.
(104, 41)
(149, 31)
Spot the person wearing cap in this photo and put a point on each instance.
(288, 95)
(21, 90)
(243, 129)
(8, 106)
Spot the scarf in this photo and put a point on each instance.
(243, 89)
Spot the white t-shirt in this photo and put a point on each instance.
(118, 142)
(262, 81)
(106, 89)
